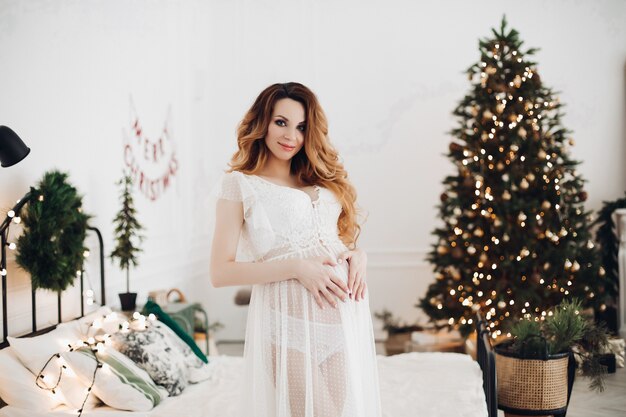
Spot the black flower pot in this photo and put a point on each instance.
(128, 301)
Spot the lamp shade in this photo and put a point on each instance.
(12, 148)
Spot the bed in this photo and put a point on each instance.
(411, 384)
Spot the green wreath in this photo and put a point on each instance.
(51, 247)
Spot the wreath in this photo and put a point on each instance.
(51, 247)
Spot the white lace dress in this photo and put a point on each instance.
(300, 360)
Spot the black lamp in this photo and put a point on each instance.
(12, 148)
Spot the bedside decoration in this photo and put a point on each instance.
(51, 247)
(127, 229)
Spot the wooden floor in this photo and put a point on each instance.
(584, 403)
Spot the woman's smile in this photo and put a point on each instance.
(286, 147)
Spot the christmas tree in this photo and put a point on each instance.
(127, 229)
(516, 239)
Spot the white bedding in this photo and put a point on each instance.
(411, 385)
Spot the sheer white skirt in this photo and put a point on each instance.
(303, 361)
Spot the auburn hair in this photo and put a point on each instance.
(317, 163)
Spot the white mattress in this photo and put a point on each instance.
(411, 385)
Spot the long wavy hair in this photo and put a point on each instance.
(317, 163)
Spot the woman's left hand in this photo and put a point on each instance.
(357, 265)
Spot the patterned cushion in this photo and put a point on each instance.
(154, 351)
(154, 308)
(119, 383)
(196, 368)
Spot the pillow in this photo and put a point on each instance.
(155, 352)
(196, 369)
(34, 352)
(154, 308)
(17, 385)
(119, 383)
(84, 324)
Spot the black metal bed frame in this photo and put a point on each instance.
(487, 361)
(35, 331)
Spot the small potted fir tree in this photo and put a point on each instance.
(127, 238)
(536, 368)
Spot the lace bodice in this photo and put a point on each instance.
(280, 220)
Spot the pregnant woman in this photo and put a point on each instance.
(286, 224)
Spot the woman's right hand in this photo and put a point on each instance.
(321, 281)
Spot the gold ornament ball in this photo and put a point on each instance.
(546, 205)
(479, 232)
(601, 271)
(522, 133)
(442, 250)
(506, 195)
(524, 184)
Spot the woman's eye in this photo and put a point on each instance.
(278, 122)
(302, 128)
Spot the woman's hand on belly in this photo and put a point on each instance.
(357, 262)
(321, 281)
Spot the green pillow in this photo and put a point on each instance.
(154, 308)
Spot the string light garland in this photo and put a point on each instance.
(96, 344)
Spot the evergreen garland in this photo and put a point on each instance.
(127, 229)
(51, 247)
(606, 237)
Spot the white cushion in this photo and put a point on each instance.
(17, 385)
(34, 352)
(119, 383)
(84, 324)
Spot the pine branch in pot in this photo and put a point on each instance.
(536, 369)
(127, 237)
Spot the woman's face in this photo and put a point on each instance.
(285, 133)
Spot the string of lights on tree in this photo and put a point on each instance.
(515, 240)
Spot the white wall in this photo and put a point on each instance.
(388, 75)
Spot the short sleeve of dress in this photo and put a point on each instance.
(230, 187)
(257, 235)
